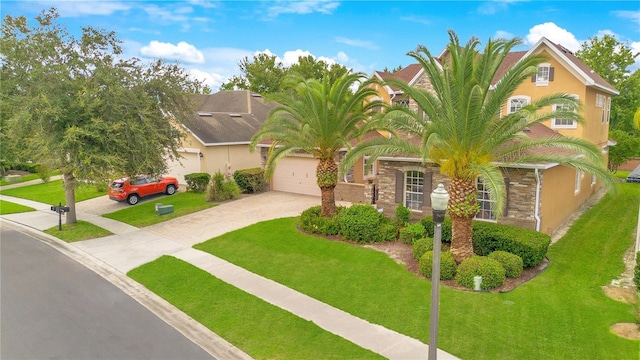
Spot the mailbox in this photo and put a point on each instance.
(60, 209)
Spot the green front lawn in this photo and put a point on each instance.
(561, 314)
(23, 178)
(7, 207)
(262, 330)
(144, 214)
(79, 231)
(52, 192)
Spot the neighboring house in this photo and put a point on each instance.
(218, 138)
(540, 196)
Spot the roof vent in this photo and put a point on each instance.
(235, 115)
(527, 129)
(205, 113)
(255, 95)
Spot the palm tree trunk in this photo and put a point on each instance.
(327, 179)
(462, 209)
(70, 183)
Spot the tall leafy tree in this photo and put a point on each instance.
(264, 74)
(318, 117)
(73, 104)
(611, 59)
(465, 135)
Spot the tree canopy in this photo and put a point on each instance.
(76, 105)
(264, 74)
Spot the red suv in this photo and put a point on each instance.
(132, 190)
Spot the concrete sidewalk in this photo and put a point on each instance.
(131, 247)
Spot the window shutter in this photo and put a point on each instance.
(533, 78)
(505, 211)
(551, 74)
(426, 189)
(399, 186)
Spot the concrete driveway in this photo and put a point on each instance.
(203, 225)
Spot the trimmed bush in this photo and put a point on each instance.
(44, 173)
(402, 215)
(250, 180)
(360, 223)
(421, 246)
(311, 221)
(530, 245)
(197, 182)
(411, 233)
(447, 265)
(492, 272)
(388, 230)
(636, 275)
(511, 263)
(428, 224)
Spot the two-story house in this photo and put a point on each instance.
(540, 196)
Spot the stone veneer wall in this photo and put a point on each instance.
(521, 191)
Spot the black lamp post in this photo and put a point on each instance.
(439, 203)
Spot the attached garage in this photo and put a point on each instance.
(188, 164)
(296, 175)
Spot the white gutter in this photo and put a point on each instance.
(228, 143)
(536, 206)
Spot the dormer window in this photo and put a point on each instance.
(544, 75)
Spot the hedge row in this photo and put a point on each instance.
(250, 180)
(359, 223)
(30, 167)
(488, 237)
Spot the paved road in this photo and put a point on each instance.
(55, 308)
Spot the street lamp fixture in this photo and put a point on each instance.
(439, 203)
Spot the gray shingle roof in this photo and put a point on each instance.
(228, 117)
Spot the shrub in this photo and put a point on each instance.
(311, 221)
(447, 265)
(511, 263)
(44, 173)
(197, 182)
(492, 272)
(421, 246)
(388, 230)
(530, 245)
(250, 180)
(636, 275)
(411, 233)
(428, 224)
(221, 189)
(360, 223)
(402, 215)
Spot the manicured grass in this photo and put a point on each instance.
(7, 207)
(262, 330)
(79, 231)
(561, 314)
(622, 174)
(52, 192)
(144, 214)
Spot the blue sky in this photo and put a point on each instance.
(209, 38)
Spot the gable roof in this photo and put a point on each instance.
(228, 117)
(409, 74)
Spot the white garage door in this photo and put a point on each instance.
(190, 164)
(296, 175)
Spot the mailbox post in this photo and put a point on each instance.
(60, 210)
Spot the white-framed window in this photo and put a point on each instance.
(487, 205)
(369, 167)
(516, 103)
(579, 176)
(601, 102)
(404, 103)
(542, 78)
(593, 180)
(563, 123)
(413, 190)
(608, 108)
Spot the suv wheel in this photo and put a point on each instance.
(133, 199)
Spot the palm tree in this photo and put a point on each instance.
(465, 134)
(319, 117)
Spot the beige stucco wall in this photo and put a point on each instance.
(223, 158)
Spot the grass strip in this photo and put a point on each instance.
(52, 192)
(79, 231)
(23, 178)
(561, 314)
(144, 214)
(262, 330)
(7, 207)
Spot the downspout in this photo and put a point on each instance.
(536, 207)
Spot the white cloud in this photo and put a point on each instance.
(342, 57)
(357, 43)
(291, 57)
(79, 8)
(163, 14)
(555, 34)
(503, 35)
(302, 7)
(416, 19)
(493, 6)
(635, 47)
(631, 15)
(183, 52)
